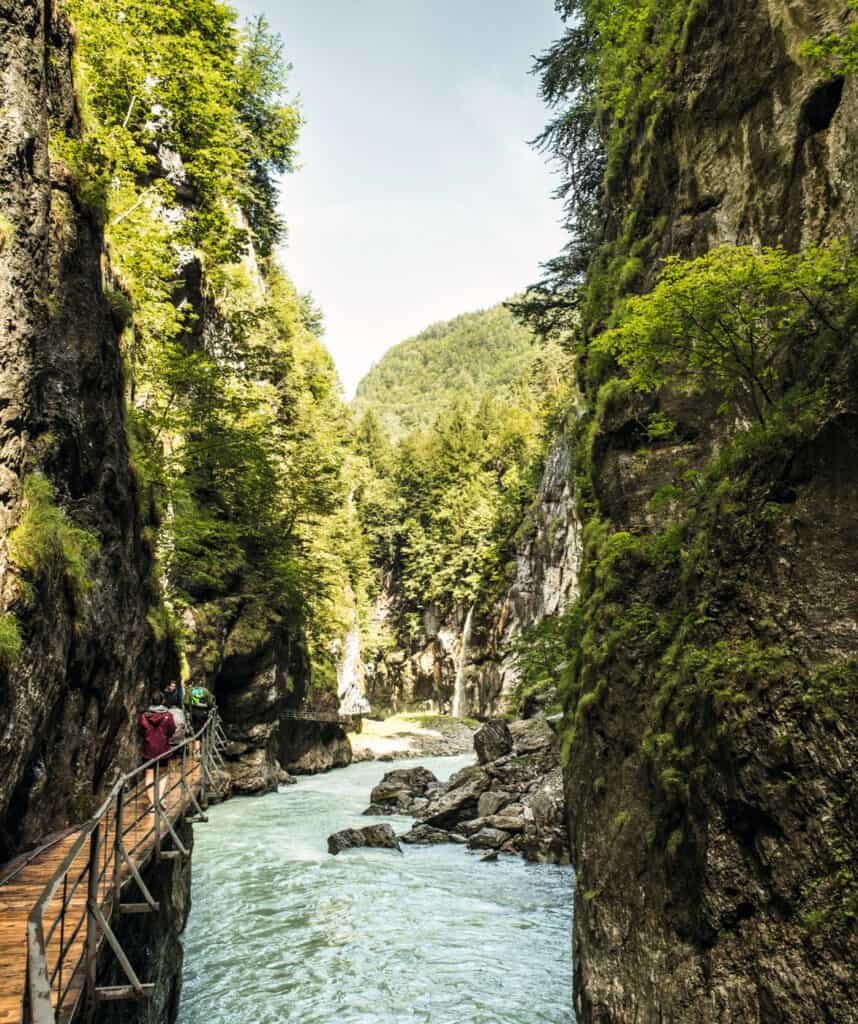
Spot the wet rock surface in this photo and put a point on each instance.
(403, 791)
(520, 807)
(514, 804)
(492, 740)
(379, 836)
(426, 835)
(458, 801)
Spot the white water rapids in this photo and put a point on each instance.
(283, 933)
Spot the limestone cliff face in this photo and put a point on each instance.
(67, 707)
(258, 669)
(731, 903)
(759, 149)
(546, 581)
(423, 673)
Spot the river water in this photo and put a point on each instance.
(281, 932)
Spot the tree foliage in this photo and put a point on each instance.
(186, 79)
(236, 424)
(737, 320)
(603, 80)
(475, 354)
(441, 506)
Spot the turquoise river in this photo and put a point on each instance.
(281, 931)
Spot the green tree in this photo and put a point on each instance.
(836, 53)
(737, 320)
(475, 354)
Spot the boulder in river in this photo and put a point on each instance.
(491, 802)
(400, 789)
(492, 740)
(425, 834)
(459, 802)
(507, 822)
(546, 839)
(381, 836)
(488, 839)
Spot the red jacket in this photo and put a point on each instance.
(156, 727)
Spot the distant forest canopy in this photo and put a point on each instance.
(451, 432)
(476, 355)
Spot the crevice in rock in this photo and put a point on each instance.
(821, 105)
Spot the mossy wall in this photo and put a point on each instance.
(711, 732)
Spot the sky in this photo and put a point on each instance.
(418, 197)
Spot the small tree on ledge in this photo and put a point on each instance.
(743, 322)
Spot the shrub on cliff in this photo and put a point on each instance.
(836, 53)
(743, 322)
(47, 545)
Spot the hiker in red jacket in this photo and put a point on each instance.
(156, 725)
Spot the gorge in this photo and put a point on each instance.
(619, 509)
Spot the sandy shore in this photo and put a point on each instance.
(412, 735)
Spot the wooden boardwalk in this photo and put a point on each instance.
(24, 881)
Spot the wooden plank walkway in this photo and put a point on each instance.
(23, 881)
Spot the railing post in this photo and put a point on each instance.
(91, 921)
(38, 1007)
(156, 803)
(117, 847)
(62, 941)
(204, 799)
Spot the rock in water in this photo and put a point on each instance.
(492, 740)
(398, 790)
(488, 839)
(547, 840)
(459, 803)
(426, 834)
(381, 836)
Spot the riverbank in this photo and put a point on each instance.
(412, 735)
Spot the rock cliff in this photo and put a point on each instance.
(259, 669)
(712, 732)
(69, 698)
(422, 672)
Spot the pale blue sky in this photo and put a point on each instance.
(418, 197)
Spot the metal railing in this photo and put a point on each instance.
(309, 715)
(71, 921)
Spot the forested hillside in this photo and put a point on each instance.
(452, 430)
(483, 354)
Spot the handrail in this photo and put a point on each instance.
(106, 856)
(310, 715)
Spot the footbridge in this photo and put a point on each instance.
(318, 715)
(59, 904)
